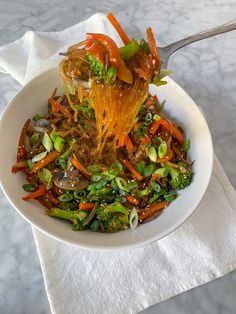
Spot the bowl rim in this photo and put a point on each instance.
(124, 246)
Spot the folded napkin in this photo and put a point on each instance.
(80, 281)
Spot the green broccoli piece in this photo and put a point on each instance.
(76, 217)
(113, 224)
(180, 180)
(103, 213)
(96, 66)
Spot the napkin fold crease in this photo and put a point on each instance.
(81, 281)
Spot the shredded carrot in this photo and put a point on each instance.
(146, 139)
(42, 163)
(118, 28)
(21, 152)
(80, 167)
(177, 134)
(154, 176)
(132, 200)
(86, 206)
(53, 102)
(41, 191)
(155, 207)
(128, 143)
(131, 168)
(153, 46)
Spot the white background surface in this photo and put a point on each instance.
(206, 70)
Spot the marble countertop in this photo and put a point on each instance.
(206, 70)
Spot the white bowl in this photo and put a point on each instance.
(32, 99)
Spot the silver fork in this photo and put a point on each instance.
(166, 52)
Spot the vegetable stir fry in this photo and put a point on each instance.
(105, 157)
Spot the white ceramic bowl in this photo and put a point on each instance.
(32, 99)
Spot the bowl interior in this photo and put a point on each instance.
(32, 99)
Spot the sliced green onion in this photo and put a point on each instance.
(161, 105)
(121, 199)
(155, 197)
(132, 185)
(144, 46)
(162, 172)
(47, 142)
(182, 164)
(142, 193)
(117, 165)
(30, 164)
(94, 225)
(162, 149)
(140, 166)
(156, 117)
(59, 144)
(101, 184)
(46, 174)
(29, 187)
(79, 194)
(186, 145)
(114, 185)
(111, 75)
(127, 51)
(152, 154)
(133, 219)
(35, 138)
(170, 197)
(107, 176)
(53, 135)
(148, 117)
(95, 168)
(95, 178)
(155, 186)
(65, 197)
(62, 161)
(148, 171)
(39, 157)
(36, 117)
(122, 184)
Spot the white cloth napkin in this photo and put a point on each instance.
(80, 281)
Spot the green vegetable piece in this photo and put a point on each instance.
(182, 164)
(47, 142)
(148, 117)
(152, 154)
(140, 166)
(30, 164)
(180, 180)
(156, 117)
(144, 46)
(62, 161)
(155, 186)
(122, 184)
(111, 75)
(65, 197)
(114, 185)
(59, 144)
(162, 172)
(144, 192)
(161, 105)
(108, 176)
(170, 197)
(101, 184)
(36, 117)
(148, 171)
(39, 156)
(128, 51)
(77, 217)
(95, 168)
(132, 185)
(94, 226)
(35, 138)
(96, 66)
(155, 197)
(121, 199)
(162, 149)
(95, 178)
(46, 174)
(186, 145)
(29, 187)
(80, 194)
(53, 135)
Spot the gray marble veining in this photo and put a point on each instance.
(206, 70)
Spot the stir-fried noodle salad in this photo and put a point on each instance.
(105, 157)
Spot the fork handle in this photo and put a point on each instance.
(199, 36)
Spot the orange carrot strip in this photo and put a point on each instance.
(41, 190)
(86, 206)
(128, 143)
(177, 134)
(132, 200)
(42, 163)
(118, 28)
(153, 46)
(80, 167)
(131, 168)
(154, 176)
(21, 152)
(53, 102)
(155, 207)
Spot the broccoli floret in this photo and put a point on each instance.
(76, 217)
(96, 66)
(103, 213)
(113, 224)
(179, 180)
